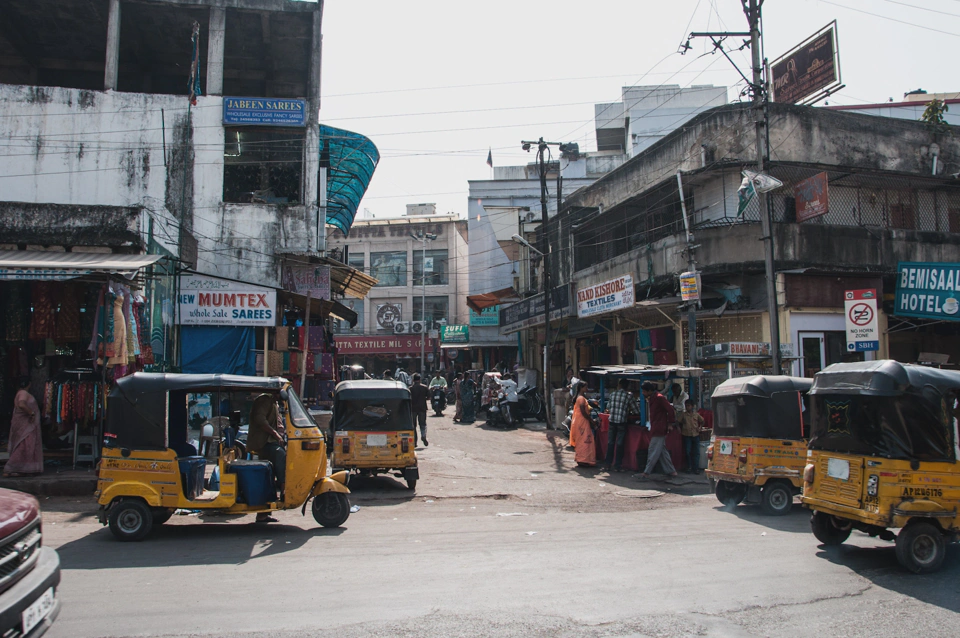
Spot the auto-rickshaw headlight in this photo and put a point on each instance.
(808, 473)
(873, 481)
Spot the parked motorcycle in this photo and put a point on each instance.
(502, 413)
(438, 400)
(531, 403)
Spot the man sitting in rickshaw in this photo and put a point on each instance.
(265, 439)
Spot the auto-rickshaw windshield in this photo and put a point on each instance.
(908, 426)
(777, 417)
(298, 414)
(389, 414)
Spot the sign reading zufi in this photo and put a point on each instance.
(209, 301)
(860, 307)
(928, 290)
(264, 111)
(615, 294)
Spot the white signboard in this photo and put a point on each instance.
(860, 307)
(615, 294)
(209, 301)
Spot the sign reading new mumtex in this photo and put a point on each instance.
(928, 289)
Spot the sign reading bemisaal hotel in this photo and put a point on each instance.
(615, 294)
(928, 290)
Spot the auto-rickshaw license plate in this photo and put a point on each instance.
(376, 440)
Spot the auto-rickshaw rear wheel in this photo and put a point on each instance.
(828, 529)
(331, 509)
(731, 494)
(776, 498)
(130, 520)
(920, 547)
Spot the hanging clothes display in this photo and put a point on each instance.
(68, 314)
(43, 318)
(16, 311)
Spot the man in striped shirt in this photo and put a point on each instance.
(621, 405)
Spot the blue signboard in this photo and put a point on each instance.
(262, 111)
(489, 317)
(928, 290)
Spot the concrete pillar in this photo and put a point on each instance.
(316, 56)
(311, 193)
(112, 67)
(215, 48)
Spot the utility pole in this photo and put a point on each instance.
(692, 305)
(752, 9)
(545, 249)
(423, 237)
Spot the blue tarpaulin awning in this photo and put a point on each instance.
(350, 159)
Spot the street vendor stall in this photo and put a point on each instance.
(638, 434)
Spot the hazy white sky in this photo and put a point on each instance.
(435, 83)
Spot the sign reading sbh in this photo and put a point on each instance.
(860, 307)
(928, 290)
(209, 301)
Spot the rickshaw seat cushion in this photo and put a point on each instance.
(191, 472)
(255, 480)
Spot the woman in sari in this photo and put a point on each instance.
(26, 443)
(458, 394)
(468, 399)
(581, 430)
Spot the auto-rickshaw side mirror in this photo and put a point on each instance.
(284, 395)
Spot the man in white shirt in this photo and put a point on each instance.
(509, 387)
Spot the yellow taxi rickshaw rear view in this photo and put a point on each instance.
(373, 430)
(883, 455)
(758, 449)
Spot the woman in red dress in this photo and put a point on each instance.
(26, 444)
(581, 430)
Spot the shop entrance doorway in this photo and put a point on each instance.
(820, 349)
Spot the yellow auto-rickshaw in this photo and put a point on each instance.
(883, 455)
(149, 469)
(758, 449)
(373, 429)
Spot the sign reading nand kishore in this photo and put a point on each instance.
(261, 111)
(929, 290)
(608, 296)
(208, 301)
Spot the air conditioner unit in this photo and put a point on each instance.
(401, 327)
(528, 217)
(416, 327)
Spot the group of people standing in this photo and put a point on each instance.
(663, 416)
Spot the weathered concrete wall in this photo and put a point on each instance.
(66, 225)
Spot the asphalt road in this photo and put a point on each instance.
(504, 537)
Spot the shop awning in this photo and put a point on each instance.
(320, 307)
(346, 280)
(636, 371)
(56, 266)
(478, 344)
(350, 159)
(489, 299)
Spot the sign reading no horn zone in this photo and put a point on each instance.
(860, 307)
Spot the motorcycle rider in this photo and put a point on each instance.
(438, 383)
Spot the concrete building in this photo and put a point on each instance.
(408, 281)
(911, 108)
(884, 195)
(102, 144)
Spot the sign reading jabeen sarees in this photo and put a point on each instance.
(209, 301)
(615, 294)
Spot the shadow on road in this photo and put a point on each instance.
(189, 545)
(796, 522)
(379, 490)
(879, 565)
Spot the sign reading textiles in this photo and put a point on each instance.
(861, 320)
(264, 111)
(808, 69)
(928, 290)
(811, 197)
(614, 294)
(488, 317)
(209, 301)
(305, 279)
(380, 345)
(455, 334)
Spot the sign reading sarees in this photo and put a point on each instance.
(209, 301)
(615, 294)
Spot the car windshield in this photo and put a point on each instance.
(298, 414)
(372, 414)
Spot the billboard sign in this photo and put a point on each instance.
(259, 111)
(860, 309)
(811, 197)
(487, 317)
(209, 301)
(608, 296)
(529, 312)
(308, 279)
(455, 334)
(928, 290)
(808, 70)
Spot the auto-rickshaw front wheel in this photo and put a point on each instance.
(920, 547)
(331, 509)
(130, 520)
(825, 528)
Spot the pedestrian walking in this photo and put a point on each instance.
(457, 393)
(691, 424)
(418, 403)
(26, 442)
(621, 405)
(662, 420)
(581, 428)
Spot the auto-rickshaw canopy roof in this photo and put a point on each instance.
(882, 378)
(641, 371)
(366, 389)
(762, 386)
